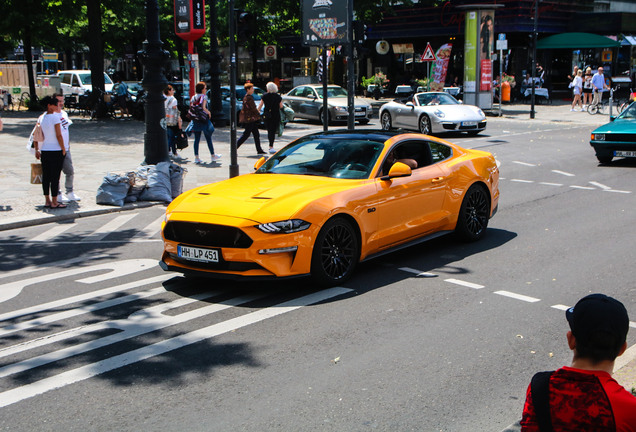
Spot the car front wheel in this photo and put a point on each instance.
(473, 214)
(335, 253)
(425, 125)
(322, 119)
(386, 121)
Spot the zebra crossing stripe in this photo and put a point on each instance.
(82, 373)
(109, 228)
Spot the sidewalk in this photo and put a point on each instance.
(112, 145)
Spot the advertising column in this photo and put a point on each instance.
(478, 48)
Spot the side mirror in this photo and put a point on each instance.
(612, 118)
(410, 104)
(398, 170)
(259, 163)
(461, 102)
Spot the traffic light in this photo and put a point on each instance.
(245, 24)
(359, 33)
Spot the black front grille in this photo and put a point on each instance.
(449, 126)
(481, 125)
(629, 138)
(221, 265)
(202, 234)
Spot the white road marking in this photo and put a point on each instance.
(463, 283)
(517, 296)
(150, 230)
(417, 272)
(83, 297)
(602, 186)
(109, 227)
(522, 181)
(551, 184)
(582, 187)
(56, 264)
(53, 232)
(618, 191)
(523, 163)
(30, 390)
(561, 307)
(563, 173)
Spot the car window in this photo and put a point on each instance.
(332, 92)
(629, 112)
(66, 79)
(439, 152)
(347, 158)
(414, 153)
(298, 91)
(87, 80)
(424, 99)
(76, 82)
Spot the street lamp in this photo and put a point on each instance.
(214, 71)
(153, 58)
(534, 56)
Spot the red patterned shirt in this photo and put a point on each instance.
(582, 400)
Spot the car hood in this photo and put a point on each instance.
(456, 111)
(617, 126)
(260, 197)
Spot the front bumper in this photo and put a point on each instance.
(444, 125)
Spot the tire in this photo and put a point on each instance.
(385, 121)
(592, 109)
(322, 121)
(424, 125)
(473, 214)
(335, 254)
(473, 133)
(604, 159)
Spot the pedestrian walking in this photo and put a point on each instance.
(598, 85)
(250, 117)
(584, 396)
(577, 89)
(121, 90)
(273, 104)
(587, 87)
(51, 152)
(198, 126)
(67, 167)
(173, 120)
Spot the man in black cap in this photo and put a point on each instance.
(584, 396)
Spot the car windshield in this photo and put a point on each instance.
(347, 158)
(86, 79)
(436, 99)
(332, 92)
(629, 113)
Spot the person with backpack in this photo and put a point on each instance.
(584, 396)
(200, 116)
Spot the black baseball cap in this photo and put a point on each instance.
(598, 312)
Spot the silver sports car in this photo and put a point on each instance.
(432, 113)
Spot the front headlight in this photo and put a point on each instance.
(598, 137)
(340, 109)
(439, 113)
(480, 112)
(284, 227)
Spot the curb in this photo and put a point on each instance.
(69, 216)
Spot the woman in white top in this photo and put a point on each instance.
(51, 152)
(577, 89)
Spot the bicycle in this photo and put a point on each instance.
(600, 107)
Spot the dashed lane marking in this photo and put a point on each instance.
(618, 191)
(582, 187)
(517, 296)
(417, 272)
(522, 181)
(602, 186)
(551, 184)
(563, 173)
(523, 163)
(464, 283)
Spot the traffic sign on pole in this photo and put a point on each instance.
(428, 55)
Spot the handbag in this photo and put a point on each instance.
(182, 140)
(36, 173)
(195, 112)
(36, 135)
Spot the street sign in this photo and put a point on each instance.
(428, 55)
(270, 52)
(324, 22)
(189, 19)
(502, 36)
(502, 44)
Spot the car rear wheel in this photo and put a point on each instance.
(335, 254)
(386, 121)
(425, 125)
(322, 119)
(473, 214)
(604, 159)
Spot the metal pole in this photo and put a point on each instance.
(234, 168)
(325, 107)
(351, 118)
(153, 57)
(534, 56)
(500, 79)
(214, 58)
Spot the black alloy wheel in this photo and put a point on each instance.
(425, 125)
(386, 121)
(474, 214)
(336, 253)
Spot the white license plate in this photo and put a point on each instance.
(198, 254)
(469, 123)
(625, 153)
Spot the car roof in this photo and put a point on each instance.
(373, 134)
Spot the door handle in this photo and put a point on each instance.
(438, 179)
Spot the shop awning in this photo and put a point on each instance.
(576, 41)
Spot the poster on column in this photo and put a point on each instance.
(470, 53)
(486, 41)
(440, 67)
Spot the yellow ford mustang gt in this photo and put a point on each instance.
(327, 201)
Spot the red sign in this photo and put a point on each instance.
(428, 55)
(189, 19)
(486, 75)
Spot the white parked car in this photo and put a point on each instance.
(77, 82)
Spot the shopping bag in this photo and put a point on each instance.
(182, 140)
(36, 173)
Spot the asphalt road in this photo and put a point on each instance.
(443, 336)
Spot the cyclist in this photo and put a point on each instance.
(598, 85)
